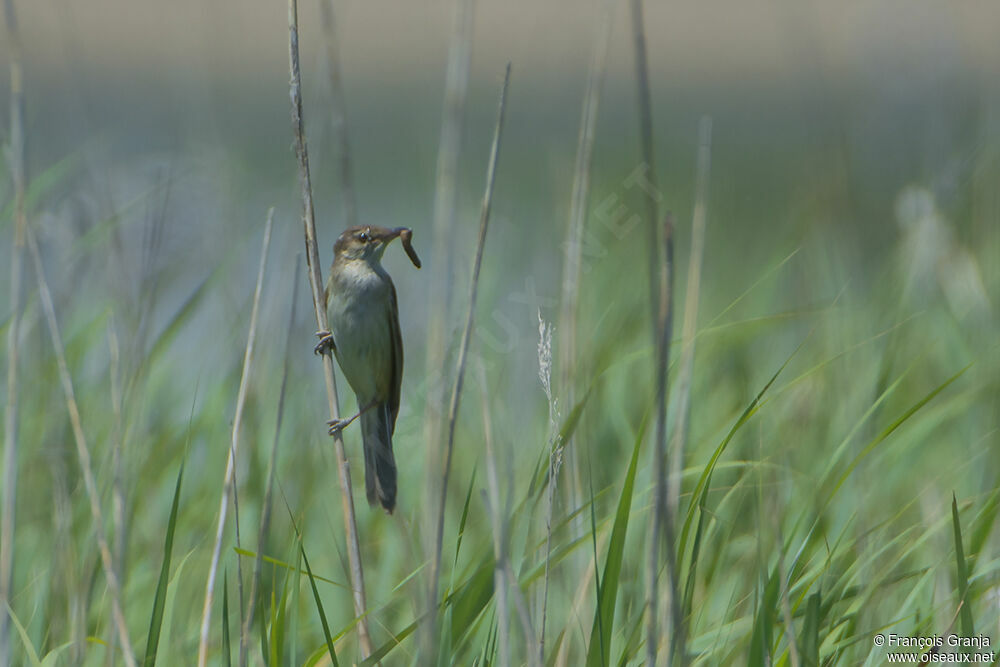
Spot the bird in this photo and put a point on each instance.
(366, 340)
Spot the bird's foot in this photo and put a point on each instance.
(325, 343)
(337, 425)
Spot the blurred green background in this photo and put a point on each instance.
(852, 231)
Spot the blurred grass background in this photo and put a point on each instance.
(852, 232)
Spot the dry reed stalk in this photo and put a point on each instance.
(456, 393)
(498, 523)
(117, 484)
(83, 452)
(574, 235)
(319, 306)
(786, 605)
(265, 516)
(662, 522)
(505, 582)
(569, 303)
(690, 326)
(442, 247)
(661, 297)
(10, 448)
(648, 153)
(228, 485)
(584, 592)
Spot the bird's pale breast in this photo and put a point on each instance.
(361, 329)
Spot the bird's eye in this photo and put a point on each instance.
(363, 237)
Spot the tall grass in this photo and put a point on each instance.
(456, 393)
(84, 457)
(839, 460)
(228, 481)
(322, 325)
(18, 169)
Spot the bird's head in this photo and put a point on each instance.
(368, 243)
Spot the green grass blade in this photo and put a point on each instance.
(554, 654)
(809, 648)
(490, 656)
(226, 648)
(701, 489)
(446, 645)
(599, 651)
(159, 599)
(278, 624)
(763, 627)
(384, 649)
(598, 616)
(700, 494)
(982, 526)
(767, 274)
(559, 554)
(471, 599)
(319, 603)
(186, 310)
(28, 648)
(54, 657)
(270, 560)
(889, 430)
(633, 642)
(296, 585)
(165, 652)
(961, 573)
(42, 184)
(264, 642)
(272, 647)
(315, 591)
(692, 572)
(465, 516)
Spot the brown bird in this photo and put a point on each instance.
(366, 340)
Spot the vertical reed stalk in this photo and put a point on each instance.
(690, 327)
(265, 515)
(662, 523)
(661, 260)
(228, 485)
(648, 151)
(83, 453)
(456, 392)
(117, 484)
(445, 199)
(569, 304)
(10, 446)
(504, 582)
(499, 525)
(786, 604)
(319, 306)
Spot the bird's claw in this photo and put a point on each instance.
(325, 343)
(337, 425)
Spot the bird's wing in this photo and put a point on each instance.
(396, 357)
(328, 288)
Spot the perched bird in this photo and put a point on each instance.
(365, 338)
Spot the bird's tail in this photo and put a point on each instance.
(380, 464)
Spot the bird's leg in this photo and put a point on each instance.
(325, 343)
(338, 425)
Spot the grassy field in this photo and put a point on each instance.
(838, 477)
